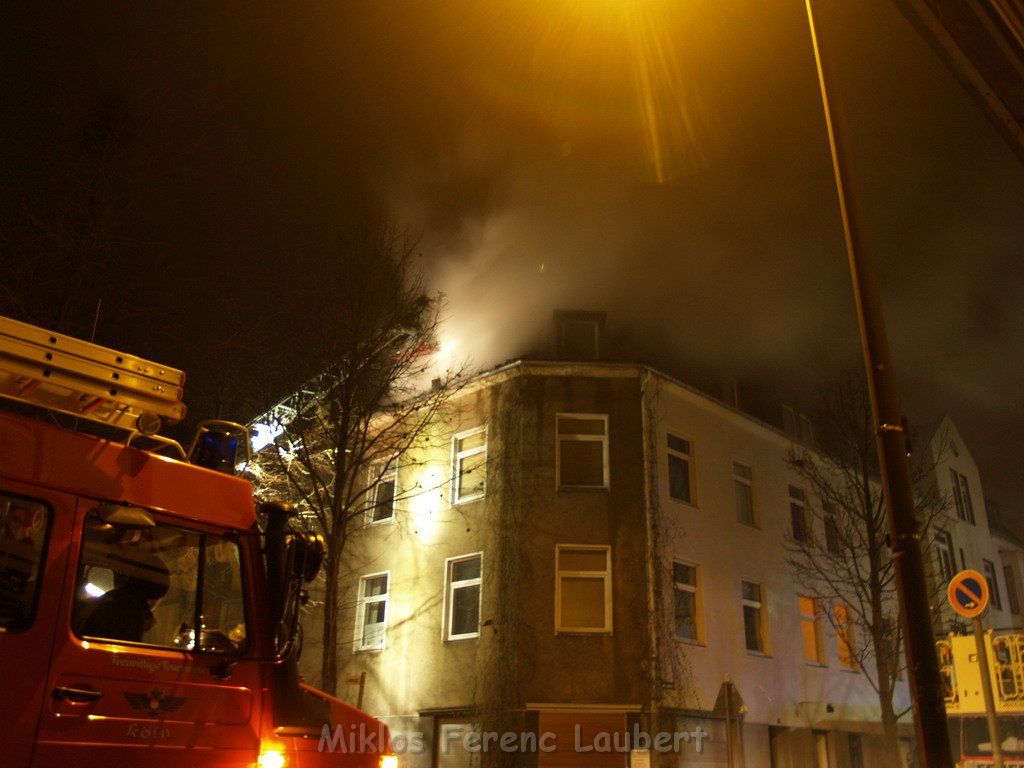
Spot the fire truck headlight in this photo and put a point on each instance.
(388, 761)
(271, 758)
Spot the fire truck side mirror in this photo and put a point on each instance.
(306, 555)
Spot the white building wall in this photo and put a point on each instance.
(973, 543)
(778, 688)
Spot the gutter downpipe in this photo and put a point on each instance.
(649, 467)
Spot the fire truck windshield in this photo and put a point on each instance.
(156, 585)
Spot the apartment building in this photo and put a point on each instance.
(596, 560)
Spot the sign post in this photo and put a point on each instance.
(968, 596)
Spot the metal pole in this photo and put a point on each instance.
(728, 724)
(926, 691)
(986, 693)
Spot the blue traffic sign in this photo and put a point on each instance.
(968, 594)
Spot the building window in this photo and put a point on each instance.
(891, 631)
(583, 589)
(846, 637)
(821, 749)
(463, 598)
(806, 429)
(944, 555)
(383, 507)
(469, 465)
(686, 588)
(833, 539)
(810, 628)
(458, 744)
(743, 485)
(1011, 589)
(856, 745)
(680, 469)
(578, 334)
(372, 612)
(798, 514)
(582, 451)
(993, 585)
(788, 420)
(962, 496)
(755, 618)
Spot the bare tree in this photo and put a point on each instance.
(848, 569)
(372, 408)
(66, 228)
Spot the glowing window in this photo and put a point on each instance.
(810, 629)
(583, 589)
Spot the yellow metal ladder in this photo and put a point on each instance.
(65, 374)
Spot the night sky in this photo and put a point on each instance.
(661, 160)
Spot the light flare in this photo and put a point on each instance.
(619, 71)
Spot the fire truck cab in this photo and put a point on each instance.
(145, 617)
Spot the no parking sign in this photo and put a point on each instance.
(968, 594)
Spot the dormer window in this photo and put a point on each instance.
(578, 335)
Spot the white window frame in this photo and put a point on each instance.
(748, 482)
(361, 604)
(943, 543)
(800, 500)
(697, 590)
(605, 575)
(805, 428)
(691, 466)
(814, 619)
(830, 522)
(788, 420)
(761, 604)
(1012, 595)
(602, 438)
(991, 576)
(458, 457)
(962, 496)
(450, 586)
(380, 476)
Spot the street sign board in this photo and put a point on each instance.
(968, 594)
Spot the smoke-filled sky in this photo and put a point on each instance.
(661, 160)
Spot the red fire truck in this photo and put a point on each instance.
(145, 617)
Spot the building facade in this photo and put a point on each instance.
(593, 571)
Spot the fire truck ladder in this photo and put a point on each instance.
(947, 670)
(65, 374)
(1008, 653)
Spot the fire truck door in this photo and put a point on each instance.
(161, 697)
(35, 526)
